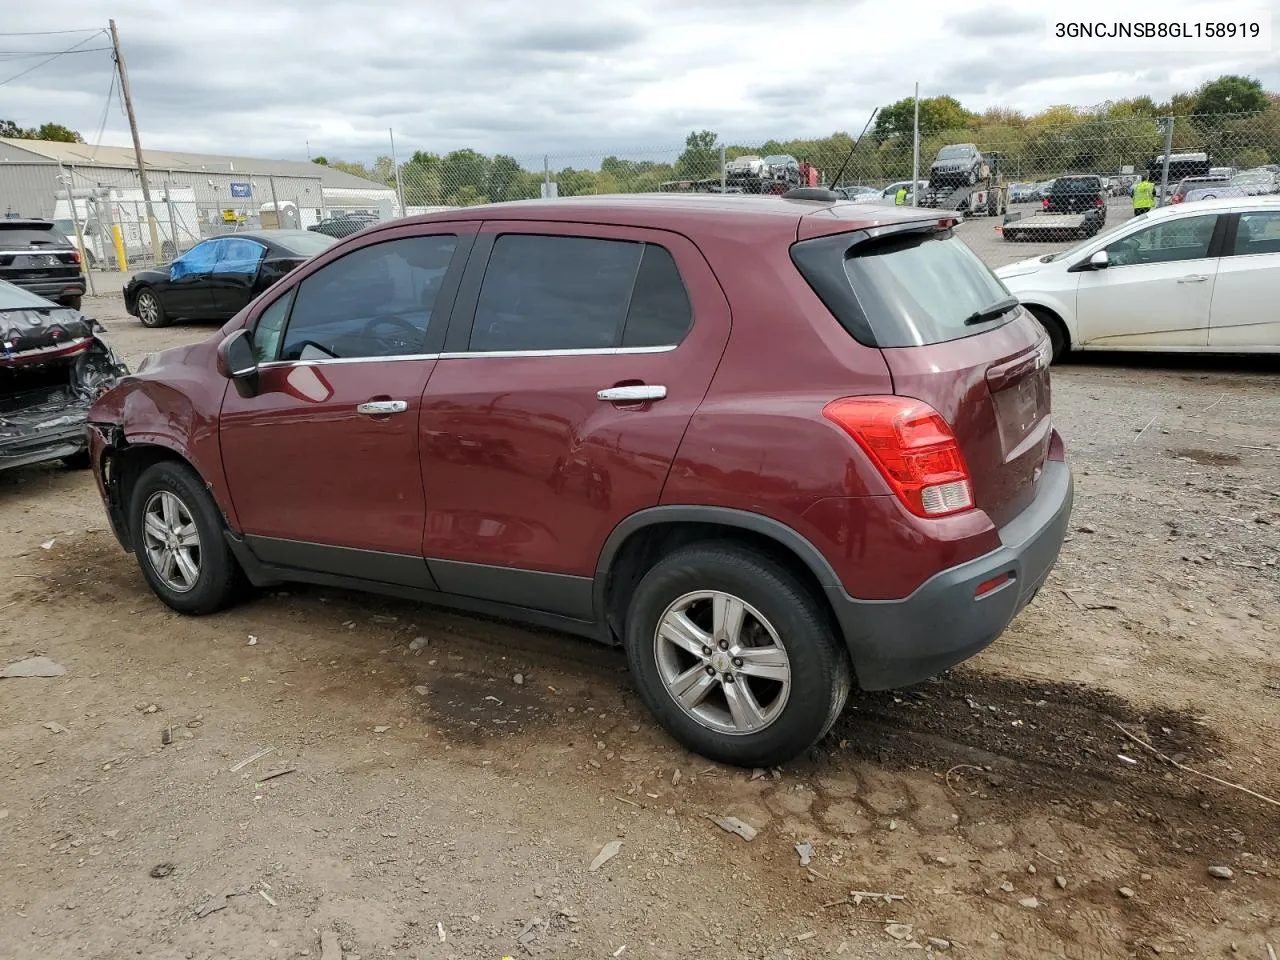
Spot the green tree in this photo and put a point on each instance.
(46, 131)
(1231, 93)
(464, 168)
(936, 114)
(323, 161)
(505, 180)
(701, 156)
(466, 196)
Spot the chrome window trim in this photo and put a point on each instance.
(497, 354)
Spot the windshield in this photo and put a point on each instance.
(954, 153)
(777, 159)
(920, 288)
(15, 298)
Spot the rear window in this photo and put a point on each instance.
(1077, 185)
(15, 298)
(901, 290)
(28, 235)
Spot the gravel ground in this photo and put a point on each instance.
(436, 807)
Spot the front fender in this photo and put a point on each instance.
(174, 406)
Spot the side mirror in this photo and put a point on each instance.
(1099, 260)
(236, 357)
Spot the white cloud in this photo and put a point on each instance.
(581, 79)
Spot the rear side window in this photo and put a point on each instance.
(902, 289)
(578, 293)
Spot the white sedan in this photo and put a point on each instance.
(1189, 277)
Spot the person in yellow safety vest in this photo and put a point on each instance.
(900, 198)
(1144, 196)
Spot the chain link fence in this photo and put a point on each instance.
(1017, 157)
(999, 162)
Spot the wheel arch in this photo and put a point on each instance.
(1047, 314)
(639, 541)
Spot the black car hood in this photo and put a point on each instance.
(150, 276)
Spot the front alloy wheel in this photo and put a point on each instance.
(722, 662)
(172, 541)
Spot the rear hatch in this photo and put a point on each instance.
(953, 337)
(34, 252)
(1075, 195)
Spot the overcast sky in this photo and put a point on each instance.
(514, 76)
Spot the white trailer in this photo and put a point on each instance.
(98, 209)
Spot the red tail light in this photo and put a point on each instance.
(1044, 203)
(1101, 202)
(1175, 198)
(75, 256)
(912, 447)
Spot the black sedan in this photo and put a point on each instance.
(217, 277)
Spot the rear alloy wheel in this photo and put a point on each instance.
(177, 534)
(734, 656)
(150, 310)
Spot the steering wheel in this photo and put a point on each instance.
(410, 331)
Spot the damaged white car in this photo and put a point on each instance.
(53, 365)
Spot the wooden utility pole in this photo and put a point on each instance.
(137, 143)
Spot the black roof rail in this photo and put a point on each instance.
(812, 193)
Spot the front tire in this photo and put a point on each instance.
(72, 302)
(735, 657)
(177, 533)
(1054, 329)
(150, 309)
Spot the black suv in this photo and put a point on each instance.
(34, 255)
(958, 165)
(1079, 194)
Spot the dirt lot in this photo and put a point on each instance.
(439, 807)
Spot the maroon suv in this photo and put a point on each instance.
(774, 447)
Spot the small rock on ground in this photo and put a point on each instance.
(939, 944)
(1125, 892)
(33, 667)
(1222, 873)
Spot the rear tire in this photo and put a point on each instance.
(169, 506)
(150, 309)
(78, 461)
(742, 718)
(72, 302)
(1055, 330)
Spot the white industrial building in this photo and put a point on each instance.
(229, 193)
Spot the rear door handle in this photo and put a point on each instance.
(380, 408)
(635, 393)
(1193, 279)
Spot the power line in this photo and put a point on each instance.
(48, 33)
(106, 109)
(69, 49)
(20, 55)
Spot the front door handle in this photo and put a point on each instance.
(633, 393)
(1193, 279)
(380, 408)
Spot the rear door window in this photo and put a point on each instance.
(578, 293)
(1257, 232)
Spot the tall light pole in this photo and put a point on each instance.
(137, 143)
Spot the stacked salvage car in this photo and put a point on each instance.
(53, 365)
